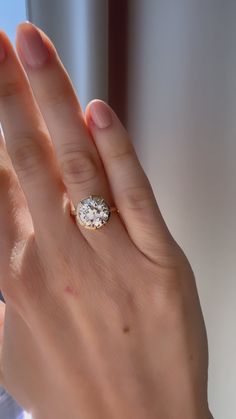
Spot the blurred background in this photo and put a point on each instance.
(169, 70)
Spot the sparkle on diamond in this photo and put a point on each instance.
(93, 212)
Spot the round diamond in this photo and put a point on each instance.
(93, 212)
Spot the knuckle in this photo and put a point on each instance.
(138, 197)
(170, 274)
(54, 97)
(10, 88)
(122, 153)
(27, 154)
(78, 167)
(57, 93)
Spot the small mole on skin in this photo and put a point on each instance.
(71, 290)
(126, 329)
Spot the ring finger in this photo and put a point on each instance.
(80, 164)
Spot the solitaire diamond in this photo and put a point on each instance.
(93, 212)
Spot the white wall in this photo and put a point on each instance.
(182, 116)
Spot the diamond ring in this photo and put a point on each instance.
(92, 212)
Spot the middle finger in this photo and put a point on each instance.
(28, 142)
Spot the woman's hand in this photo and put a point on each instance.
(98, 324)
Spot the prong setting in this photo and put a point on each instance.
(92, 212)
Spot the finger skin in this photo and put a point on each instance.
(130, 185)
(27, 141)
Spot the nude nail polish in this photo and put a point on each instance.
(32, 47)
(101, 114)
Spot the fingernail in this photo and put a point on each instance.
(2, 51)
(100, 114)
(32, 47)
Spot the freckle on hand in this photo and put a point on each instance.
(126, 329)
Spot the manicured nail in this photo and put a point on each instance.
(2, 51)
(100, 114)
(32, 47)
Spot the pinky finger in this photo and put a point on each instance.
(132, 191)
